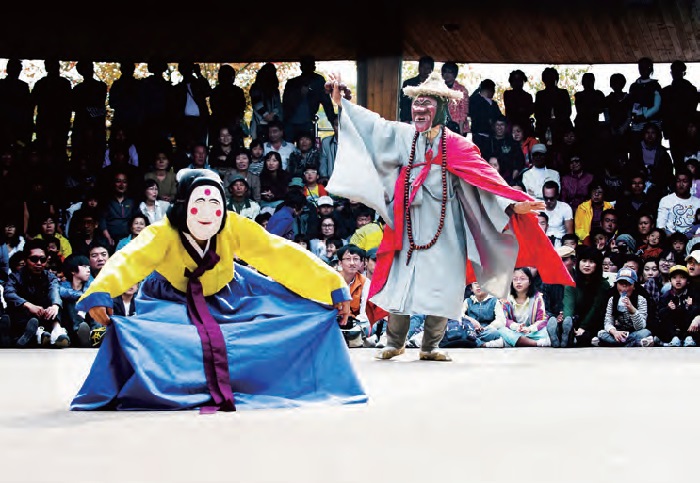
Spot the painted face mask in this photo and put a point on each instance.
(424, 113)
(428, 112)
(205, 211)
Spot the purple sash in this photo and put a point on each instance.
(213, 344)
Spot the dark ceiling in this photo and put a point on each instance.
(505, 31)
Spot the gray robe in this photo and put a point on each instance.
(371, 152)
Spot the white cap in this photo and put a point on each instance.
(325, 201)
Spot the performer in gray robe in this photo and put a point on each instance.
(475, 231)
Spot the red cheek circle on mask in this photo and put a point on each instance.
(218, 212)
(194, 211)
(207, 191)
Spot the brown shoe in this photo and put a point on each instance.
(435, 355)
(388, 352)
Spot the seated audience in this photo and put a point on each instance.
(151, 206)
(679, 311)
(77, 271)
(526, 318)
(34, 302)
(240, 201)
(625, 315)
(485, 314)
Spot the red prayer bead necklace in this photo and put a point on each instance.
(407, 186)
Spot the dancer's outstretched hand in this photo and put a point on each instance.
(524, 207)
(337, 89)
(343, 312)
(100, 314)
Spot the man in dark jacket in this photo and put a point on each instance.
(302, 97)
(33, 298)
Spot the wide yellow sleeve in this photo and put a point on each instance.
(130, 265)
(286, 262)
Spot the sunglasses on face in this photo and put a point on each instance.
(37, 259)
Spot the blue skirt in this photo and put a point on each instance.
(284, 351)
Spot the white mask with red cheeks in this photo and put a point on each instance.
(205, 210)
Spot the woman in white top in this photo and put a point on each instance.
(151, 206)
(317, 246)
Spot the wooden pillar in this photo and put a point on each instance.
(378, 83)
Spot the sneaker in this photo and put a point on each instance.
(544, 342)
(84, 334)
(370, 341)
(59, 337)
(552, 327)
(96, 335)
(353, 337)
(43, 337)
(496, 343)
(675, 342)
(595, 342)
(689, 342)
(29, 333)
(388, 352)
(434, 355)
(566, 327)
(415, 340)
(647, 342)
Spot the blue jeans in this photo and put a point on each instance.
(607, 340)
(486, 335)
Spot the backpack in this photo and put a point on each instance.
(459, 334)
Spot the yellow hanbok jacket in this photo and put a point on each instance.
(159, 247)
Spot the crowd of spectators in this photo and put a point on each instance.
(622, 209)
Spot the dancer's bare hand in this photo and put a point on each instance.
(337, 89)
(524, 207)
(343, 312)
(100, 314)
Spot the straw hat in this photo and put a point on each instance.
(434, 86)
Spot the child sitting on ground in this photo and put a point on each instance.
(679, 311)
(626, 315)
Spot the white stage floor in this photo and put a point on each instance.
(492, 415)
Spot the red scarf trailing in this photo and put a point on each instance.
(464, 160)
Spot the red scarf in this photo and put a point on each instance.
(464, 160)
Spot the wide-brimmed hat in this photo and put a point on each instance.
(433, 86)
